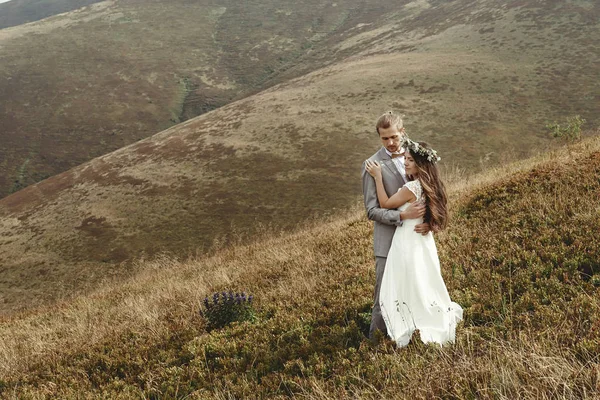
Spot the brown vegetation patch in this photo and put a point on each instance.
(434, 89)
(93, 226)
(145, 148)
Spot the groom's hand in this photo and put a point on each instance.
(423, 228)
(414, 211)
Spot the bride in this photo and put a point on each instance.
(413, 295)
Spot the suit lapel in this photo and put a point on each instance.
(391, 167)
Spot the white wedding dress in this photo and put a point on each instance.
(413, 294)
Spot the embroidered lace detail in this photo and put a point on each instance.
(415, 187)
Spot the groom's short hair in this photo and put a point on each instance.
(388, 119)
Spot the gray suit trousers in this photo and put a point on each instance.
(377, 321)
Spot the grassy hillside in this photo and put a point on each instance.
(17, 12)
(479, 80)
(520, 256)
(81, 84)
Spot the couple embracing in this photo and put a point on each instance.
(406, 199)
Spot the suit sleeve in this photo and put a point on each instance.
(374, 212)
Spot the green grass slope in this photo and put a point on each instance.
(477, 82)
(520, 255)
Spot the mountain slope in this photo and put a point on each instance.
(518, 256)
(82, 84)
(17, 12)
(293, 152)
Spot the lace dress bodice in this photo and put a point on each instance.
(416, 188)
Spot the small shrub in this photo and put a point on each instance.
(226, 308)
(570, 131)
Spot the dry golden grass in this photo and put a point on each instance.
(311, 275)
(146, 299)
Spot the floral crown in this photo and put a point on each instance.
(415, 147)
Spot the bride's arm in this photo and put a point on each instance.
(397, 199)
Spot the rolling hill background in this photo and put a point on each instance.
(478, 79)
(81, 84)
(519, 255)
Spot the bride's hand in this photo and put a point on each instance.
(373, 168)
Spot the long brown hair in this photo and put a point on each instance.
(434, 191)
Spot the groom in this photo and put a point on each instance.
(391, 157)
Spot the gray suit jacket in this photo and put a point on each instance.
(385, 220)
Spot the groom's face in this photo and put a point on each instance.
(391, 137)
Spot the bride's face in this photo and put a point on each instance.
(409, 164)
